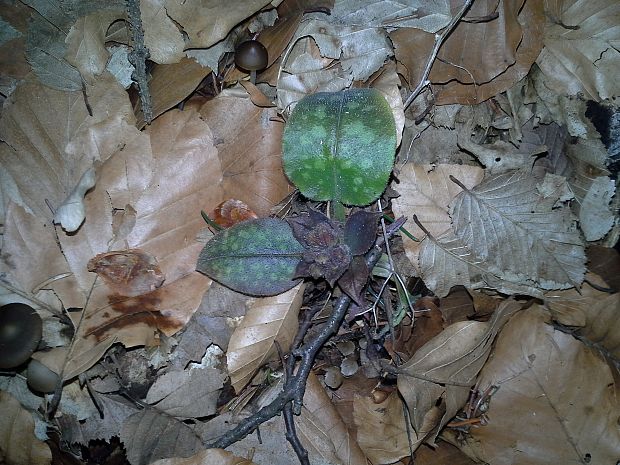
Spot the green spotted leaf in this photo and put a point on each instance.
(340, 146)
(256, 257)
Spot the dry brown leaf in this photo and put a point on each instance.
(581, 53)
(18, 444)
(321, 428)
(86, 43)
(605, 262)
(381, 429)
(206, 457)
(170, 84)
(507, 222)
(426, 191)
(149, 435)
(252, 344)
(188, 393)
(593, 313)
(454, 356)
(50, 141)
(387, 81)
(556, 399)
(250, 152)
(206, 22)
(161, 35)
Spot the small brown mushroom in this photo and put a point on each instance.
(251, 56)
(21, 330)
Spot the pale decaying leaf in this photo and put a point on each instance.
(556, 398)
(268, 320)
(382, 431)
(188, 393)
(446, 367)
(18, 444)
(594, 194)
(387, 82)
(584, 57)
(426, 191)
(593, 313)
(149, 435)
(206, 457)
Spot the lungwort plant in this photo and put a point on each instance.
(337, 147)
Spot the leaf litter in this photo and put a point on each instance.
(101, 230)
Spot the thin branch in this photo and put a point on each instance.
(138, 56)
(439, 40)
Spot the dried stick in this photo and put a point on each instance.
(439, 40)
(137, 57)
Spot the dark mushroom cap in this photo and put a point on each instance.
(21, 330)
(251, 55)
(41, 378)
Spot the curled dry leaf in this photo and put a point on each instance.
(231, 212)
(267, 320)
(446, 366)
(18, 444)
(556, 398)
(206, 457)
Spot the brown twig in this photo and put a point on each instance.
(439, 40)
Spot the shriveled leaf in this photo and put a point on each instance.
(340, 146)
(584, 57)
(567, 385)
(208, 22)
(426, 191)
(596, 217)
(381, 429)
(230, 212)
(360, 231)
(592, 313)
(188, 393)
(267, 321)
(507, 222)
(250, 152)
(353, 281)
(207, 457)
(149, 435)
(456, 355)
(256, 257)
(18, 444)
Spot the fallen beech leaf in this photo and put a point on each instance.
(426, 191)
(268, 320)
(188, 393)
(322, 430)
(455, 355)
(507, 222)
(18, 444)
(208, 22)
(170, 84)
(581, 58)
(250, 152)
(149, 435)
(594, 314)
(206, 457)
(162, 36)
(381, 429)
(556, 398)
